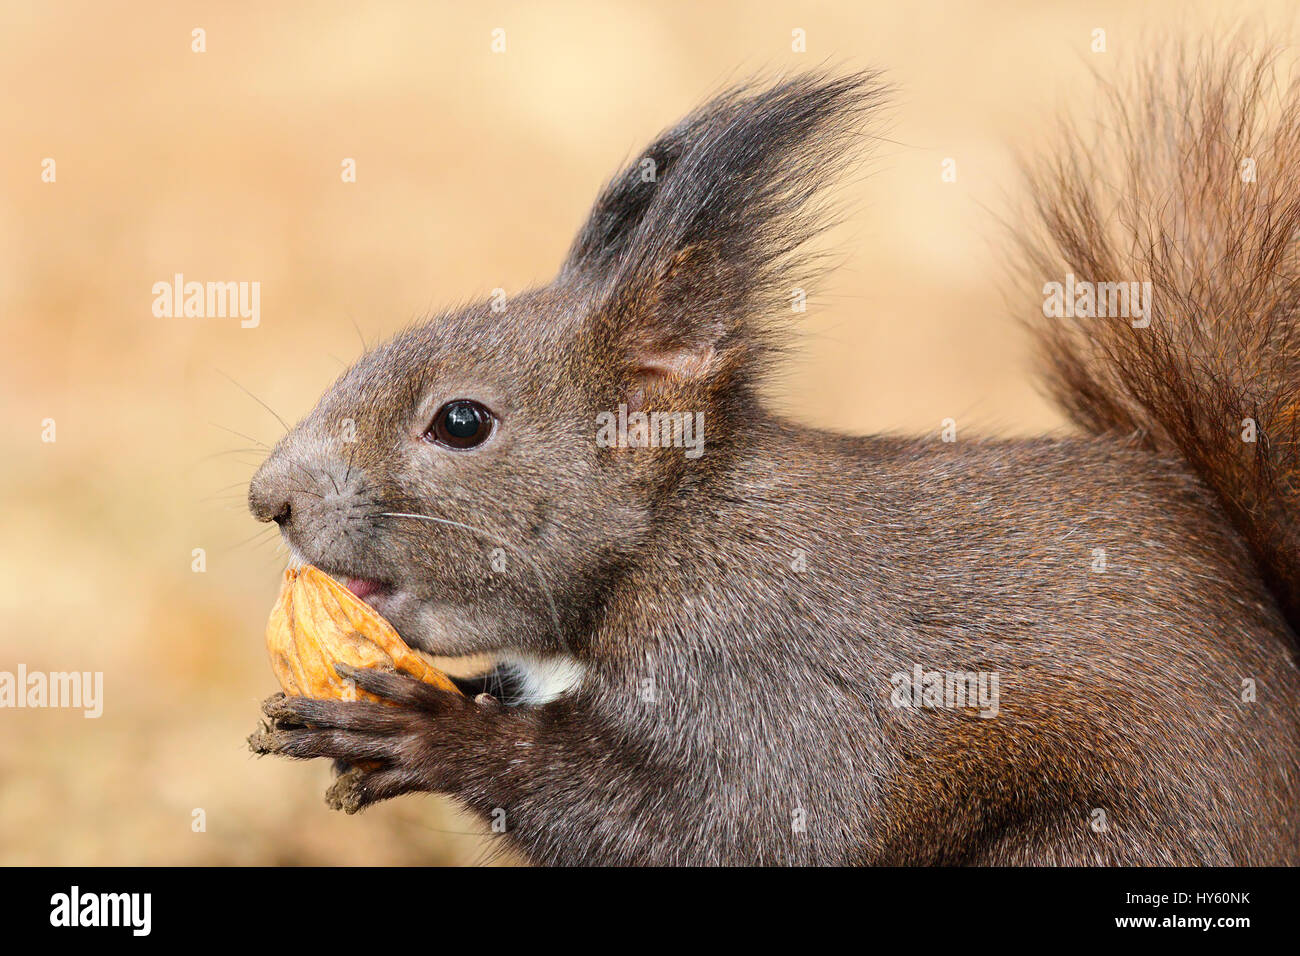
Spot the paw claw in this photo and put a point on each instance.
(347, 793)
(277, 708)
(262, 740)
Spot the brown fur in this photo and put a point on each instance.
(1160, 196)
(768, 591)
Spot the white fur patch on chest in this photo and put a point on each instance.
(543, 679)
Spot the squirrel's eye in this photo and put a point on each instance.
(460, 424)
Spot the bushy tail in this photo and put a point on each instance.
(1193, 185)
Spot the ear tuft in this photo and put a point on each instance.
(690, 270)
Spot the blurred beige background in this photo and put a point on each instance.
(473, 171)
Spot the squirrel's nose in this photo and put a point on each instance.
(268, 493)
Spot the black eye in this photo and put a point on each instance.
(460, 424)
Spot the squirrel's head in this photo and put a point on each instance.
(483, 478)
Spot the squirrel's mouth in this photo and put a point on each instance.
(387, 598)
(370, 590)
(364, 588)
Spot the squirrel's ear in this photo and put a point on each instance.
(623, 202)
(692, 256)
(657, 333)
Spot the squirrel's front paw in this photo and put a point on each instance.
(390, 748)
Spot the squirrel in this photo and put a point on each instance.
(730, 657)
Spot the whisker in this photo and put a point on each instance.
(241, 435)
(347, 474)
(353, 320)
(233, 484)
(233, 451)
(555, 617)
(256, 399)
(260, 532)
(311, 476)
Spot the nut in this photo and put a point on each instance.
(317, 623)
